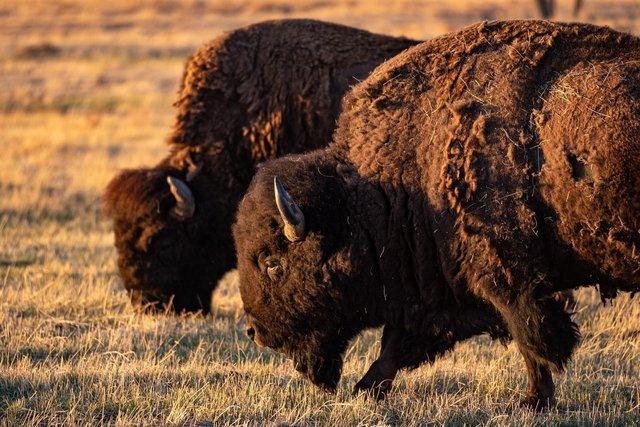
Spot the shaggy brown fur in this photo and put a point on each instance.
(250, 95)
(470, 178)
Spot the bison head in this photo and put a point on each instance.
(171, 250)
(301, 264)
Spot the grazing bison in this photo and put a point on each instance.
(469, 178)
(250, 95)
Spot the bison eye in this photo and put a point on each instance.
(275, 273)
(274, 269)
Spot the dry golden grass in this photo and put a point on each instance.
(86, 89)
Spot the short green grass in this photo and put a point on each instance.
(72, 351)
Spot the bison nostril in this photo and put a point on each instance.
(251, 333)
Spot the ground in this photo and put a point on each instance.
(86, 89)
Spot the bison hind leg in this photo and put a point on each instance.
(546, 337)
(545, 330)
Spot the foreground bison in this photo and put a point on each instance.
(250, 95)
(469, 178)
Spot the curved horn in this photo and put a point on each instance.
(185, 203)
(291, 214)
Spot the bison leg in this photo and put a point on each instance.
(378, 379)
(546, 8)
(402, 349)
(576, 8)
(541, 388)
(546, 338)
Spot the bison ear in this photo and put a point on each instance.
(291, 214)
(185, 203)
(188, 158)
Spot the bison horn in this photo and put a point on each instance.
(185, 203)
(290, 212)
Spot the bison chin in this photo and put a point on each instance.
(320, 363)
(324, 372)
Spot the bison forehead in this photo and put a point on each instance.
(139, 203)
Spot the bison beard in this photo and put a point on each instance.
(469, 179)
(250, 95)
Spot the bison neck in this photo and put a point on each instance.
(217, 187)
(402, 267)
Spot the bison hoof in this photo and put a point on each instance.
(375, 389)
(537, 403)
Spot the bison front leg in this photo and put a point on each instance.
(402, 349)
(378, 379)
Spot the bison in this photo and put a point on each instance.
(250, 95)
(469, 179)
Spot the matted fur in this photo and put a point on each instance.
(469, 178)
(252, 94)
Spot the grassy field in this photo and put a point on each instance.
(86, 89)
